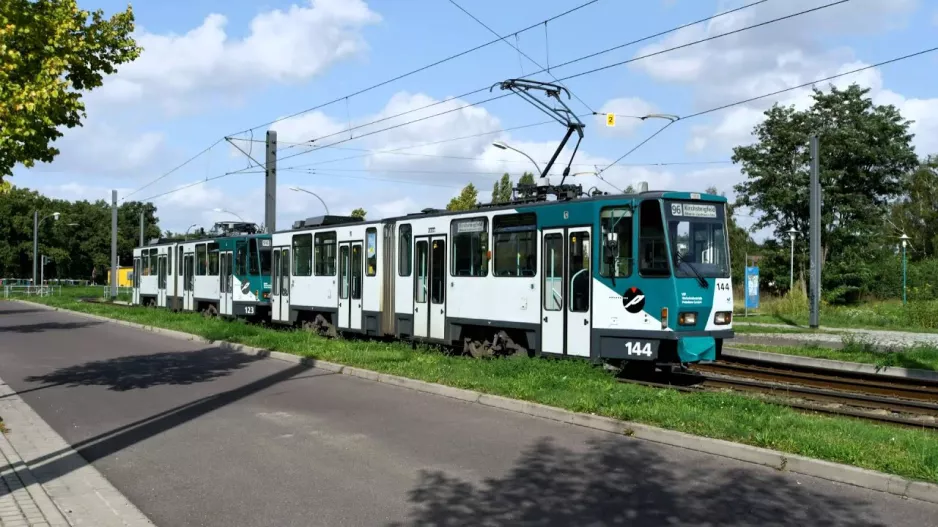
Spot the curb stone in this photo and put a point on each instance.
(782, 461)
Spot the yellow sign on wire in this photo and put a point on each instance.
(610, 119)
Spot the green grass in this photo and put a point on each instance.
(579, 386)
(740, 326)
(792, 310)
(855, 350)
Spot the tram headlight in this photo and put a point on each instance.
(723, 318)
(687, 319)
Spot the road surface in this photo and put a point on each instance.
(195, 435)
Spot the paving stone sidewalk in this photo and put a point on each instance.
(45, 483)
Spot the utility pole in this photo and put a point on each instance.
(35, 245)
(815, 239)
(113, 244)
(141, 228)
(270, 185)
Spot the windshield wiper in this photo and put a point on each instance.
(680, 259)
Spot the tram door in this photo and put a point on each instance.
(188, 293)
(566, 291)
(351, 267)
(161, 281)
(136, 283)
(225, 301)
(280, 285)
(430, 287)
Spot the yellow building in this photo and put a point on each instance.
(125, 276)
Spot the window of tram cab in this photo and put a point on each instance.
(652, 245)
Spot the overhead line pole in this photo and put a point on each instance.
(815, 240)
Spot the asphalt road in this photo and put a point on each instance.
(200, 436)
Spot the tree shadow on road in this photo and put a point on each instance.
(46, 326)
(22, 311)
(144, 371)
(622, 482)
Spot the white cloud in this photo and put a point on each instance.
(282, 46)
(625, 109)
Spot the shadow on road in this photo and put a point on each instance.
(22, 311)
(144, 371)
(45, 326)
(52, 466)
(624, 483)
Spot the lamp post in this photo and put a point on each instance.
(298, 189)
(229, 212)
(502, 146)
(36, 223)
(187, 230)
(791, 272)
(905, 241)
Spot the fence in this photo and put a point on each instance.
(28, 290)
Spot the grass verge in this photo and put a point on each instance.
(578, 386)
(919, 357)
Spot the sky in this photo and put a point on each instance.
(212, 69)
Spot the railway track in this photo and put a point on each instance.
(897, 401)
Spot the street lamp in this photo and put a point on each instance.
(36, 223)
(229, 212)
(187, 230)
(791, 273)
(298, 189)
(905, 241)
(502, 146)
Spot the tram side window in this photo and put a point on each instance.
(201, 260)
(213, 259)
(371, 250)
(145, 258)
(303, 255)
(324, 253)
(153, 261)
(263, 255)
(405, 242)
(652, 246)
(169, 260)
(470, 247)
(616, 261)
(179, 260)
(515, 245)
(241, 258)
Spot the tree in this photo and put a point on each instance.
(865, 153)
(51, 52)
(916, 212)
(526, 179)
(740, 242)
(467, 199)
(501, 192)
(359, 213)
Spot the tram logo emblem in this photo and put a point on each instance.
(633, 300)
(245, 288)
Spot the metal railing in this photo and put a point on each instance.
(29, 290)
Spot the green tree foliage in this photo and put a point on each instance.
(50, 52)
(501, 192)
(916, 212)
(74, 249)
(740, 242)
(866, 152)
(359, 213)
(526, 179)
(467, 199)
(865, 157)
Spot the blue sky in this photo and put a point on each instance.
(213, 68)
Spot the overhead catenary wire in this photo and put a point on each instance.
(580, 74)
(518, 49)
(417, 70)
(467, 94)
(897, 59)
(777, 92)
(690, 116)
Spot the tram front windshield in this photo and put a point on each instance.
(697, 232)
